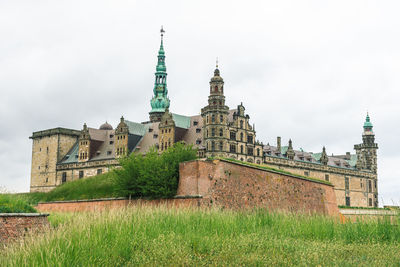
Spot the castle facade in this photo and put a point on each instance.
(60, 155)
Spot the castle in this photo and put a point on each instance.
(60, 155)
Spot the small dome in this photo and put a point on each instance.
(106, 126)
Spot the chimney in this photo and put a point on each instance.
(278, 144)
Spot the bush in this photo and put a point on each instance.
(12, 203)
(152, 175)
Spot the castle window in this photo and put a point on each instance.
(221, 146)
(327, 177)
(241, 149)
(198, 130)
(207, 118)
(216, 88)
(213, 117)
(241, 137)
(212, 146)
(47, 150)
(150, 130)
(232, 135)
(111, 142)
(348, 201)
(232, 148)
(361, 183)
(375, 184)
(241, 159)
(346, 183)
(109, 152)
(370, 202)
(258, 161)
(40, 149)
(195, 123)
(212, 131)
(99, 171)
(221, 132)
(169, 130)
(162, 131)
(221, 118)
(80, 174)
(39, 167)
(155, 136)
(111, 135)
(47, 180)
(369, 186)
(250, 151)
(64, 177)
(250, 139)
(306, 173)
(241, 124)
(258, 152)
(198, 141)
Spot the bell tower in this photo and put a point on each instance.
(160, 100)
(215, 119)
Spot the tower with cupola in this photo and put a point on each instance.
(366, 151)
(160, 100)
(215, 119)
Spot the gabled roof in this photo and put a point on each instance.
(181, 121)
(72, 155)
(137, 128)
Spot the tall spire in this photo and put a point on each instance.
(367, 124)
(160, 100)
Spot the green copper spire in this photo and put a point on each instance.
(367, 123)
(160, 100)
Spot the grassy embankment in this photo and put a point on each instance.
(158, 236)
(14, 204)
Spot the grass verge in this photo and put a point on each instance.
(168, 237)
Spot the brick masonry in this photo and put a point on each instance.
(234, 186)
(16, 225)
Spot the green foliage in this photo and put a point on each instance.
(168, 237)
(12, 203)
(264, 167)
(362, 208)
(152, 175)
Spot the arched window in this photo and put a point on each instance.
(258, 152)
(207, 118)
(216, 88)
(212, 146)
(221, 146)
(213, 117)
(241, 149)
(212, 131)
(241, 137)
(221, 132)
(221, 118)
(241, 124)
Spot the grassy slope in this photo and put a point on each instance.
(14, 204)
(157, 236)
(100, 186)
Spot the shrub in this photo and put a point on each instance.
(12, 203)
(152, 175)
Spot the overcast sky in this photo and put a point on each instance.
(306, 70)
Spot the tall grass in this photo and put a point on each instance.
(168, 237)
(10, 203)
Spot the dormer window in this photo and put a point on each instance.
(195, 123)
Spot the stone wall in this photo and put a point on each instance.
(232, 185)
(16, 225)
(355, 215)
(113, 203)
(358, 190)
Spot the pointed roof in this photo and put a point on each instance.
(367, 123)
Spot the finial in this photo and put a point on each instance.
(216, 63)
(162, 32)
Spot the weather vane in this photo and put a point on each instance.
(162, 31)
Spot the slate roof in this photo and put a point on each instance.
(181, 121)
(137, 128)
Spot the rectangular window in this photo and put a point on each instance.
(369, 186)
(375, 184)
(111, 135)
(198, 130)
(212, 131)
(80, 174)
(111, 142)
(361, 183)
(155, 136)
(99, 171)
(232, 148)
(64, 177)
(150, 130)
(306, 173)
(327, 177)
(195, 123)
(198, 141)
(348, 201)
(370, 202)
(250, 151)
(346, 183)
(233, 136)
(109, 153)
(250, 139)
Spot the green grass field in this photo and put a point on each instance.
(162, 237)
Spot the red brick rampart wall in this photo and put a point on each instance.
(107, 204)
(232, 185)
(14, 225)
